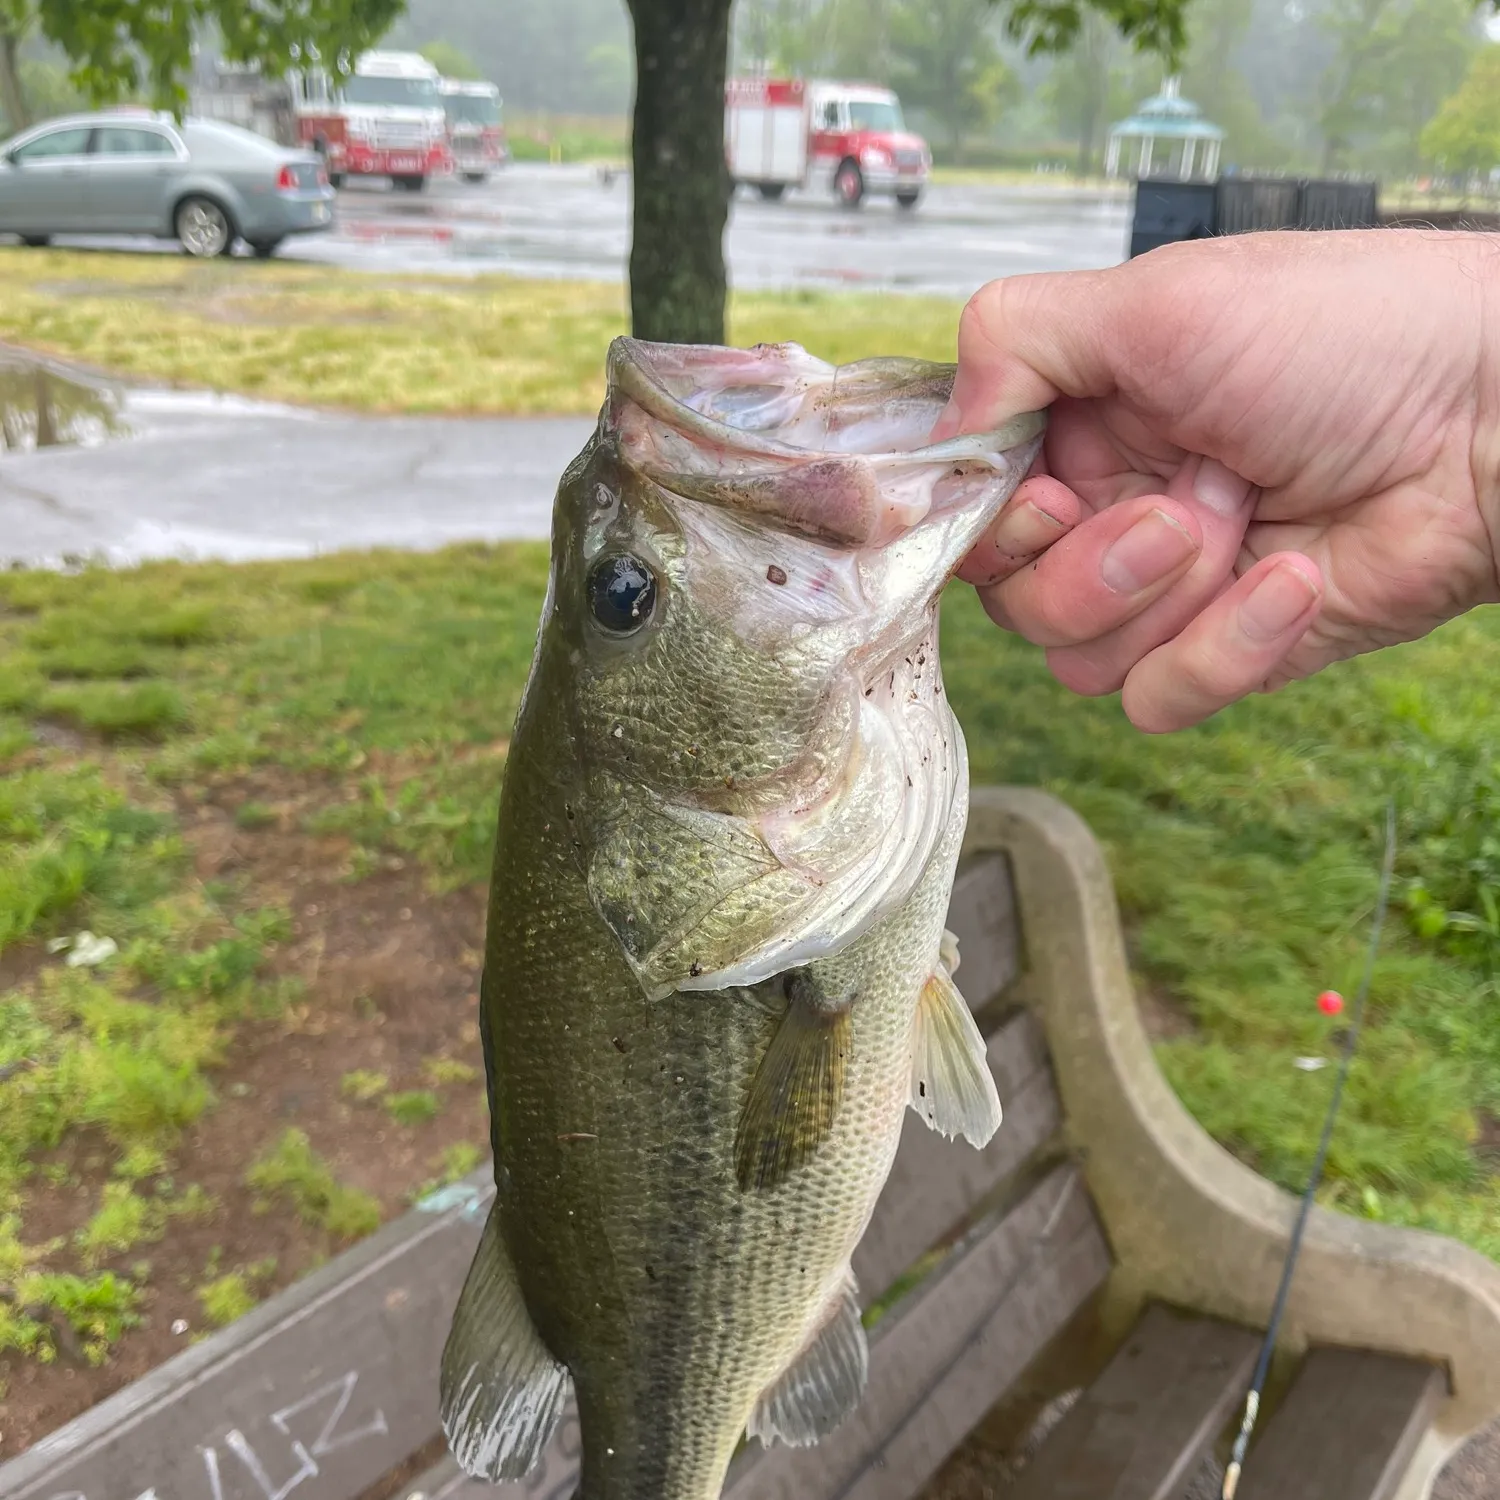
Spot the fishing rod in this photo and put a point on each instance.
(1351, 1041)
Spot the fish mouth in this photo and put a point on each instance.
(836, 453)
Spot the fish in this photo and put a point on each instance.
(716, 970)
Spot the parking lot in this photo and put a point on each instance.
(536, 220)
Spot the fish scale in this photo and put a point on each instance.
(690, 1137)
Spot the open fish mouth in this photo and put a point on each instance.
(838, 453)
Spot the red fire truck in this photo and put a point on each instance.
(847, 138)
(476, 135)
(385, 120)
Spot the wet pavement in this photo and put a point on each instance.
(126, 475)
(541, 221)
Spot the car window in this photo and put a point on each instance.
(126, 140)
(74, 142)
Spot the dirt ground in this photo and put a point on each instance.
(391, 977)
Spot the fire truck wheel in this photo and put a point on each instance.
(203, 227)
(410, 184)
(849, 184)
(908, 199)
(772, 191)
(476, 176)
(335, 180)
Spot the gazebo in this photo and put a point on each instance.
(1167, 136)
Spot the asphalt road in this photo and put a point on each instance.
(561, 221)
(541, 221)
(212, 477)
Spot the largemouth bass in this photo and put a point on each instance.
(716, 973)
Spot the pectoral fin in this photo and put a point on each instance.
(952, 1087)
(798, 1088)
(822, 1386)
(501, 1390)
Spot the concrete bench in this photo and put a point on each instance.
(1102, 1259)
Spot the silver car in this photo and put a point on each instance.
(202, 182)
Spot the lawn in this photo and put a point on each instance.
(248, 779)
(327, 337)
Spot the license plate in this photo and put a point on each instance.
(405, 164)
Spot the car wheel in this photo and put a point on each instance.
(203, 227)
(264, 249)
(909, 198)
(849, 184)
(36, 241)
(772, 191)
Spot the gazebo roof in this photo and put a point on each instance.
(1168, 116)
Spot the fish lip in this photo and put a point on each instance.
(635, 369)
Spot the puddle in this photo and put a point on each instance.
(43, 407)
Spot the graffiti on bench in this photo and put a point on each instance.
(304, 1439)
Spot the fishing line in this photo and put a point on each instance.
(1351, 1041)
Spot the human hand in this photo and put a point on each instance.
(1266, 453)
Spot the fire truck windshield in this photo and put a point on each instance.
(471, 109)
(418, 93)
(868, 114)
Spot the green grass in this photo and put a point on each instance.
(363, 1086)
(292, 1169)
(333, 338)
(569, 138)
(451, 1164)
(127, 1219)
(230, 1296)
(415, 1107)
(440, 1072)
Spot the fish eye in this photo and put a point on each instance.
(621, 592)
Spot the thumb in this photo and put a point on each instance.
(1026, 340)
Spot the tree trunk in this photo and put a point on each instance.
(677, 276)
(12, 100)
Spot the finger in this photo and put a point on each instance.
(1041, 511)
(1223, 503)
(1024, 341)
(1232, 649)
(1100, 574)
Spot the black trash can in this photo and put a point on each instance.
(1247, 204)
(1167, 211)
(1338, 205)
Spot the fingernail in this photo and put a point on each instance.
(1154, 547)
(1220, 489)
(1277, 602)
